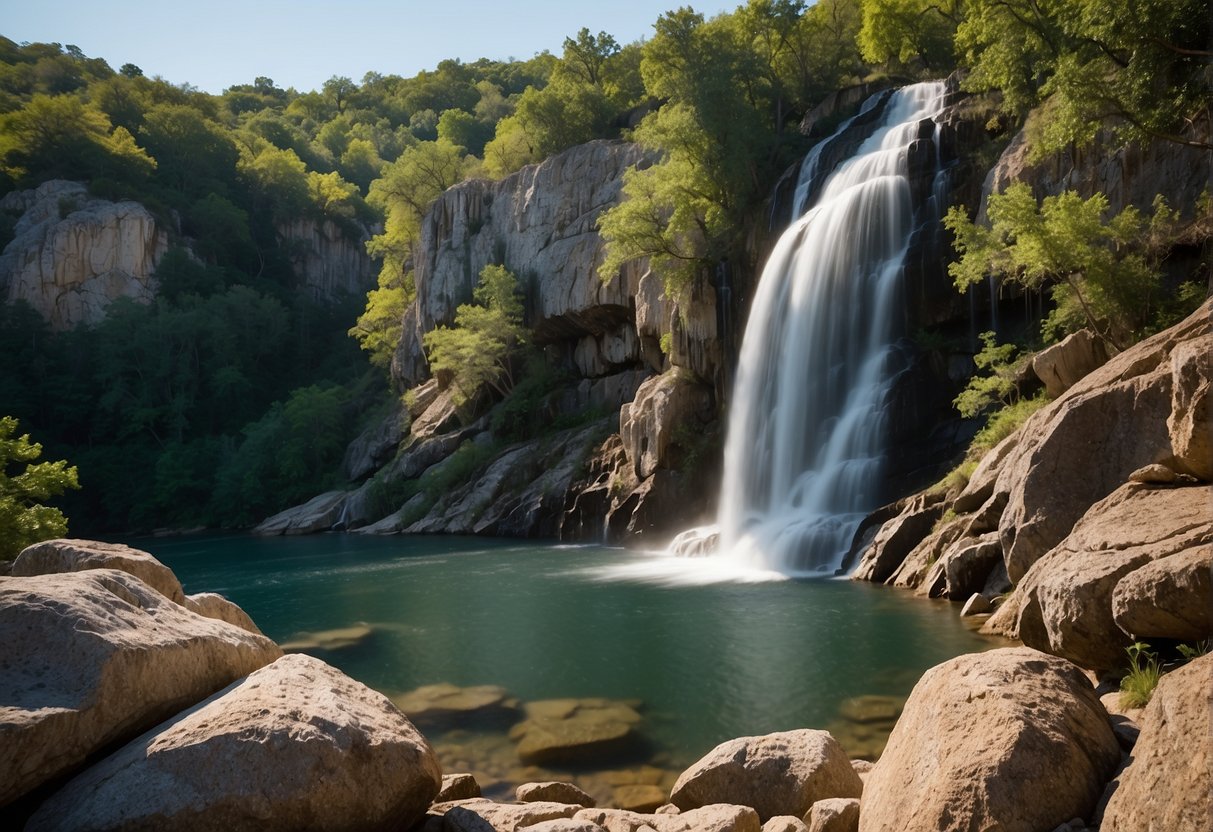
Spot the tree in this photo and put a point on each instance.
(476, 351)
(898, 31)
(23, 517)
(1100, 270)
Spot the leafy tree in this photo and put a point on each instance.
(1100, 270)
(464, 130)
(278, 180)
(60, 136)
(24, 486)
(193, 152)
(898, 31)
(475, 352)
(994, 383)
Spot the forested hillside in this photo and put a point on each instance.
(234, 393)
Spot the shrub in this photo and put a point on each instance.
(1138, 685)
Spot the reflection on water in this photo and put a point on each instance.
(710, 660)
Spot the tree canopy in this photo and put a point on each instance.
(25, 485)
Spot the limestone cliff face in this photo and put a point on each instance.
(74, 254)
(327, 260)
(541, 223)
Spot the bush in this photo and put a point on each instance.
(1137, 687)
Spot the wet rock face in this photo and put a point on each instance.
(74, 254)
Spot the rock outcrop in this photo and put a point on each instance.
(90, 658)
(74, 254)
(52, 557)
(329, 261)
(1064, 604)
(980, 738)
(776, 774)
(1168, 783)
(295, 745)
(1101, 482)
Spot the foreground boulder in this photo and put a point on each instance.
(90, 658)
(776, 774)
(52, 557)
(1011, 739)
(295, 745)
(1168, 784)
(718, 817)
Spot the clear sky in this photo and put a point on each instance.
(214, 44)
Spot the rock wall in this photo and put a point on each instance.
(328, 261)
(541, 223)
(74, 254)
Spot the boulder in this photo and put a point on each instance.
(482, 815)
(714, 818)
(837, 814)
(91, 658)
(554, 792)
(297, 744)
(319, 514)
(457, 787)
(214, 605)
(56, 556)
(1063, 605)
(1065, 363)
(74, 254)
(898, 537)
(1083, 446)
(565, 825)
(574, 730)
(776, 774)
(664, 404)
(1169, 598)
(1168, 784)
(377, 444)
(784, 823)
(1010, 739)
(967, 566)
(1191, 421)
(977, 604)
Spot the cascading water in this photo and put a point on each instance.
(804, 452)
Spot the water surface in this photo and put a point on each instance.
(710, 662)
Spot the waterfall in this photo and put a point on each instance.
(803, 457)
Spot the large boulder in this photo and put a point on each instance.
(1168, 784)
(1192, 408)
(1169, 598)
(319, 514)
(1010, 739)
(1065, 363)
(294, 745)
(1064, 604)
(777, 774)
(55, 556)
(718, 817)
(74, 254)
(91, 658)
(214, 605)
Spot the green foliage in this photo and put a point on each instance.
(388, 495)
(995, 380)
(1140, 68)
(476, 351)
(1100, 269)
(1138, 685)
(1003, 422)
(24, 486)
(524, 412)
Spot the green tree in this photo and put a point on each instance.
(1100, 269)
(476, 351)
(24, 486)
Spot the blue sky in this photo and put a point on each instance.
(213, 44)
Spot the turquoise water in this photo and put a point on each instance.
(710, 662)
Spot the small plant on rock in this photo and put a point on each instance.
(1137, 687)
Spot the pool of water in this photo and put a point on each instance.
(709, 660)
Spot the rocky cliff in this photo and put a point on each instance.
(637, 363)
(73, 254)
(329, 261)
